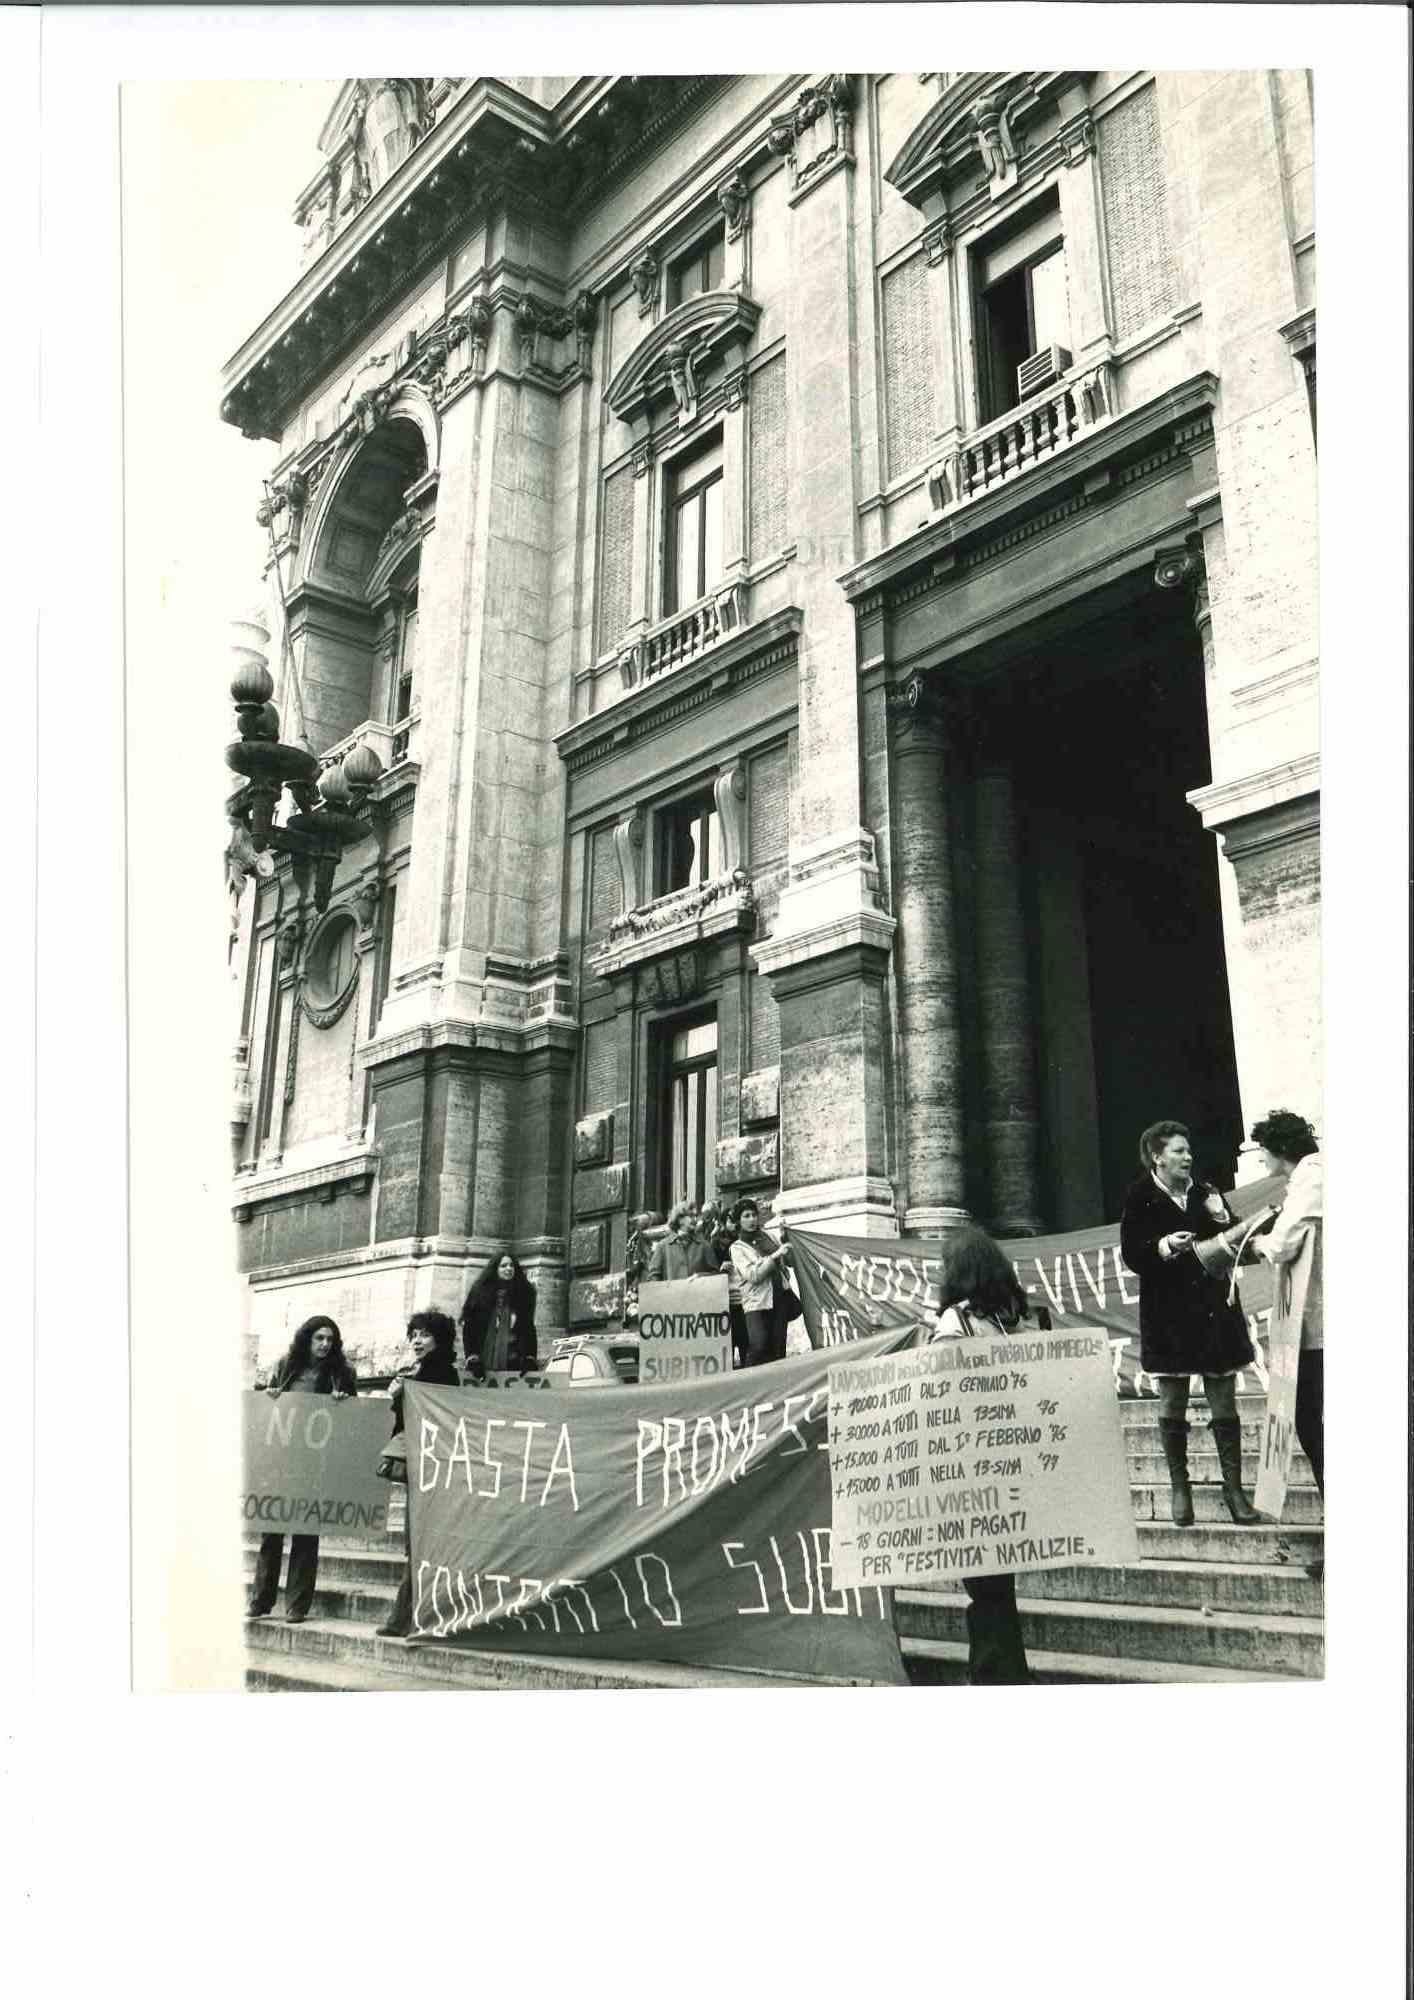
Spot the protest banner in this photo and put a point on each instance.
(684, 1330)
(684, 1522)
(852, 1287)
(311, 1464)
(979, 1457)
(1292, 1282)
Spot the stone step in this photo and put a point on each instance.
(1212, 1541)
(1145, 1465)
(1267, 1589)
(1151, 1503)
(1289, 1645)
(943, 1663)
(351, 1648)
(271, 1672)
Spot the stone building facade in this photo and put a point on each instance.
(827, 568)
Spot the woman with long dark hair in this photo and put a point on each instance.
(498, 1320)
(1188, 1323)
(313, 1366)
(980, 1288)
(432, 1336)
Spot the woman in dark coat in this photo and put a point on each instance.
(1186, 1324)
(979, 1282)
(432, 1337)
(314, 1366)
(498, 1320)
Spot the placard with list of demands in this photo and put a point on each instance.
(978, 1456)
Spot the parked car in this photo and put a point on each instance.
(588, 1361)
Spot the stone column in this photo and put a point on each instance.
(926, 966)
(1010, 1113)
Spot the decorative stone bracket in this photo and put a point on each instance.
(809, 147)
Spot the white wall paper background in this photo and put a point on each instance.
(1049, 1797)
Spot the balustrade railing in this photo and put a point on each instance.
(1023, 437)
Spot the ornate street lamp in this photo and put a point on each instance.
(325, 819)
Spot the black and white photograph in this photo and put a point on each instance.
(769, 661)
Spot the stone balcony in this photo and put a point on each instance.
(393, 743)
(678, 923)
(678, 641)
(1027, 436)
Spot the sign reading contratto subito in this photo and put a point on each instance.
(978, 1457)
(684, 1330)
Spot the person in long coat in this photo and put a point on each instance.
(1187, 1324)
(498, 1320)
(314, 1366)
(432, 1338)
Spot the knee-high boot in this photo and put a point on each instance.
(1227, 1436)
(1174, 1433)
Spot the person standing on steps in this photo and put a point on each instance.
(758, 1261)
(979, 1284)
(1290, 1149)
(432, 1337)
(313, 1366)
(681, 1253)
(498, 1321)
(1187, 1323)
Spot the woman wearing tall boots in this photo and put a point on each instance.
(1187, 1326)
(314, 1366)
(980, 1289)
(1290, 1149)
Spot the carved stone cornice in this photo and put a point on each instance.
(678, 923)
(666, 364)
(493, 147)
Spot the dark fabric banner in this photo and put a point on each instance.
(852, 1287)
(688, 1522)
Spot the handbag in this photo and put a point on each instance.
(393, 1460)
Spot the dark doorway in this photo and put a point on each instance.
(1124, 920)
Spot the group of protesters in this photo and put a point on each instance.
(705, 1240)
(1177, 1233)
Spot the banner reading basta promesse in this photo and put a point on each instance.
(688, 1522)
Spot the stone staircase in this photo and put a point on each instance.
(1212, 1602)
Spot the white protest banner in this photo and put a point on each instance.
(684, 1330)
(978, 1457)
(1283, 1360)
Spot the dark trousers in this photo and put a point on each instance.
(996, 1653)
(1311, 1410)
(765, 1338)
(741, 1340)
(299, 1582)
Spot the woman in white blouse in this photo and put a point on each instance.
(1290, 1149)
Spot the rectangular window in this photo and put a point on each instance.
(1023, 311)
(701, 269)
(688, 1112)
(692, 532)
(689, 845)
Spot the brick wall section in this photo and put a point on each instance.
(601, 1067)
(1142, 270)
(770, 513)
(908, 381)
(616, 558)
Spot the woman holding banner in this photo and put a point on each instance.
(979, 1282)
(313, 1366)
(1188, 1324)
(498, 1320)
(1290, 1149)
(432, 1337)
